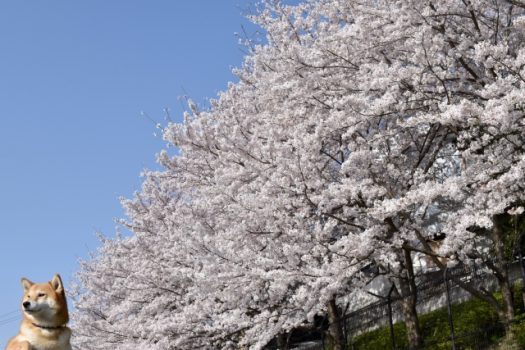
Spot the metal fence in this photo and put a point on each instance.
(435, 290)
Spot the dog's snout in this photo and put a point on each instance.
(26, 304)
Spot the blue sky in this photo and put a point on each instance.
(74, 78)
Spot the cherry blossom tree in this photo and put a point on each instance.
(466, 78)
(359, 130)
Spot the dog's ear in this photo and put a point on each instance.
(26, 284)
(56, 283)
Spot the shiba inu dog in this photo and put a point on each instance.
(45, 317)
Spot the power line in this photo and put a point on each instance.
(9, 317)
(9, 320)
(8, 314)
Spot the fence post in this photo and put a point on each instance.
(345, 330)
(390, 319)
(449, 310)
(522, 266)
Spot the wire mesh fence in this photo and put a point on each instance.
(380, 325)
(436, 290)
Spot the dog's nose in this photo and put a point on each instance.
(26, 304)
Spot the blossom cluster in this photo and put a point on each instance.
(361, 128)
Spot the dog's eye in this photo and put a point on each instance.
(40, 295)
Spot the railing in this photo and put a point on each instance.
(435, 290)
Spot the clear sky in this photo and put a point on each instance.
(74, 78)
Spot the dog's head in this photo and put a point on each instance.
(45, 301)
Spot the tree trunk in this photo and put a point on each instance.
(335, 327)
(411, 322)
(507, 314)
(500, 268)
(408, 303)
(523, 292)
(282, 341)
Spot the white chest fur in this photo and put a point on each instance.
(49, 339)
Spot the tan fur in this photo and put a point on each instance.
(44, 305)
